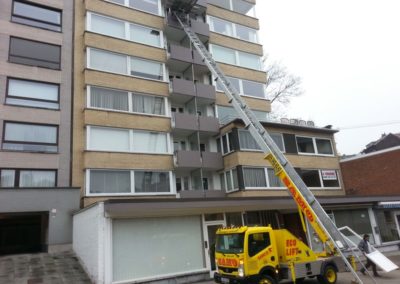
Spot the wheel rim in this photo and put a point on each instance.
(330, 275)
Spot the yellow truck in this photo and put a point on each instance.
(264, 255)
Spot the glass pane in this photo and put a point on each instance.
(229, 181)
(151, 182)
(357, 220)
(324, 146)
(305, 145)
(108, 99)
(223, 54)
(311, 178)
(30, 133)
(149, 142)
(254, 177)
(246, 33)
(274, 181)
(226, 114)
(109, 139)
(247, 141)
(261, 115)
(249, 60)
(222, 181)
(148, 104)
(243, 7)
(37, 178)
(40, 17)
(7, 178)
(278, 139)
(387, 225)
(34, 90)
(150, 6)
(107, 61)
(103, 181)
(234, 82)
(254, 89)
(221, 26)
(107, 26)
(145, 35)
(330, 178)
(146, 69)
(235, 179)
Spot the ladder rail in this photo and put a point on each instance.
(327, 228)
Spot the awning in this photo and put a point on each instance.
(389, 204)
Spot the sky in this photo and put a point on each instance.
(347, 53)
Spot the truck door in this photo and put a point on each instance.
(260, 252)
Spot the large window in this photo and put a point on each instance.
(247, 142)
(126, 140)
(226, 114)
(123, 64)
(34, 53)
(36, 15)
(315, 146)
(225, 143)
(245, 87)
(229, 180)
(235, 57)
(261, 178)
(387, 225)
(320, 178)
(232, 29)
(32, 93)
(110, 99)
(239, 6)
(27, 178)
(128, 182)
(125, 30)
(30, 137)
(149, 6)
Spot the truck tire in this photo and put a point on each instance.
(266, 279)
(328, 276)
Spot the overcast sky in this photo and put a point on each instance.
(347, 53)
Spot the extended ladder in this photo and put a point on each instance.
(306, 201)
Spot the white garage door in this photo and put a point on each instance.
(153, 247)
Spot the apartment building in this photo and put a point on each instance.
(158, 151)
(36, 200)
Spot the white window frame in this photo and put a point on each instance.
(130, 105)
(132, 186)
(237, 59)
(321, 180)
(268, 187)
(241, 88)
(227, 190)
(227, 141)
(131, 140)
(128, 65)
(231, 9)
(126, 4)
(283, 141)
(315, 147)
(127, 29)
(234, 29)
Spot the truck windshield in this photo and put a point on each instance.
(230, 243)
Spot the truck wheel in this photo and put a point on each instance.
(266, 279)
(328, 276)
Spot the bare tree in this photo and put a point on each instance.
(281, 86)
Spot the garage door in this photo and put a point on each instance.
(152, 247)
(22, 233)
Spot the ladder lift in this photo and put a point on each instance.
(306, 201)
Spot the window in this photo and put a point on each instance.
(273, 180)
(247, 141)
(128, 182)
(119, 63)
(151, 181)
(36, 15)
(149, 6)
(124, 30)
(239, 6)
(119, 100)
(32, 93)
(317, 146)
(227, 143)
(226, 114)
(30, 137)
(229, 180)
(258, 242)
(320, 178)
(235, 57)
(245, 87)
(232, 29)
(278, 139)
(27, 178)
(34, 53)
(126, 140)
(254, 177)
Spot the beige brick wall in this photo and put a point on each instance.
(236, 43)
(244, 73)
(233, 17)
(253, 103)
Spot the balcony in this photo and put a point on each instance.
(209, 124)
(212, 161)
(205, 92)
(174, 31)
(184, 123)
(179, 58)
(187, 159)
(182, 90)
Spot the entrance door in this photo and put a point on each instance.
(209, 243)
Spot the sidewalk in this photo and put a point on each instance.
(57, 268)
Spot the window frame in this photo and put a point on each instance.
(17, 172)
(128, 64)
(127, 29)
(231, 9)
(225, 175)
(32, 99)
(132, 192)
(237, 57)
(32, 58)
(240, 81)
(130, 104)
(30, 143)
(315, 146)
(131, 142)
(233, 27)
(228, 143)
(37, 20)
(321, 180)
(126, 4)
